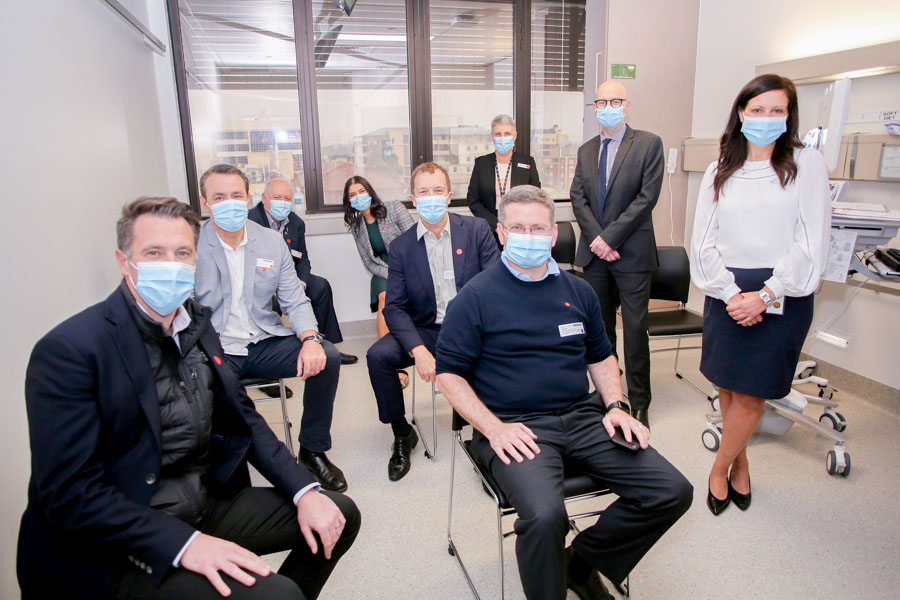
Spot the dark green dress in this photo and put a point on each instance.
(378, 283)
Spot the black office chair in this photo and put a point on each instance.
(255, 383)
(672, 281)
(576, 486)
(564, 250)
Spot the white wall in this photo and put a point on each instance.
(82, 136)
(733, 38)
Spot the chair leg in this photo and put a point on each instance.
(500, 537)
(451, 547)
(284, 416)
(429, 452)
(684, 378)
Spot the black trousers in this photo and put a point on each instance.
(319, 292)
(631, 291)
(384, 358)
(275, 358)
(652, 496)
(263, 521)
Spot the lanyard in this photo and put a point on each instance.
(502, 184)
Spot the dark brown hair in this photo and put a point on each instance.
(733, 145)
(147, 205)
(351, 214)
(223, 169)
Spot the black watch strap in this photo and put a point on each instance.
(316, 337)
(618, 404)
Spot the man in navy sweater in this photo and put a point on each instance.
(511, 359)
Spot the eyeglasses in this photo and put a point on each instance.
(536, 229)
(614, 102)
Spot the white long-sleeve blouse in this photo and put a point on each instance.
(758, 224)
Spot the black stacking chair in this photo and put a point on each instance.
(564, 250)
(577, 487)
(672, 281)
(259, 383)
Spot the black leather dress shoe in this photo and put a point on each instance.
(272, 391)
(715, 505)
(348, 359)
(400, 461)
(642, 415)
(590, 589)
(326, 473)
(742, 501)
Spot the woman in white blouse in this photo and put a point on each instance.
(758, 250)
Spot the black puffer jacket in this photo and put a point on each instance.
(184, 382)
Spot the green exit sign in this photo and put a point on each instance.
(622, 71)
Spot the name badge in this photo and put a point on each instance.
(523, 165)
(448, 274)
(264, 263)
(777, 307)
(296, 254)
(571, 329)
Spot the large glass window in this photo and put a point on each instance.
(557, 84)
(362, 83)
(241, 74)
(471, 80)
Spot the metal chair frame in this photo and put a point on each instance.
(429, 452)
(258, 383)
(503, 511)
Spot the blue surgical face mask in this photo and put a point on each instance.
(230, 215)
(361, 202)
(163, 285)
(432, 208)
(610, 117)
(504, 144)
(280, 209)
(762, 131)
(527, 250)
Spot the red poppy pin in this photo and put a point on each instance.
(567, 304)
(217, 360)
(459, 250)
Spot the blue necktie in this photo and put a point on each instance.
(601, 182)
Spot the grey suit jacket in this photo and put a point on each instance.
(268, 269)
(396, 222)
(632, 192)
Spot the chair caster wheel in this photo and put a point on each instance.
(714, 401)
(832, 463)
(711, 437)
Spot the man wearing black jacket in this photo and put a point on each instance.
(140, 439)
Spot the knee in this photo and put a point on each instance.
(548, 520)
(276, 586)
(678, 496)
(378, 356)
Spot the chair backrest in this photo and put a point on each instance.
(672, 281)
(564, 250)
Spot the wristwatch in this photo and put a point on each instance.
(316, 337)
(618, 404)
(765, 297)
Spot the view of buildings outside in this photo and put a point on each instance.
(244, 102)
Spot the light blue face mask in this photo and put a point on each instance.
(280, 209)
(432, 208)
(762, 131)
(504, 144)
(527, 250)
(230, 215)
(361, 202)
(163, 285)
(609, 117)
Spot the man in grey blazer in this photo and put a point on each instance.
(241, 266)
(616, 185)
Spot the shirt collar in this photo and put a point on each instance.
(616, 136)
(273, 223)
(179, 323)
(552, 269)
(422, 230)
(227, 247)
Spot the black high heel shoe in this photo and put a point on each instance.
(742, 501)
(715, 505)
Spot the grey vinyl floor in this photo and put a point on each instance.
(807, 534)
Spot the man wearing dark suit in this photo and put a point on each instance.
(496, 173)
(140, 439)
(240, 268)
(275, 213)
(429, 264)
(616, 185)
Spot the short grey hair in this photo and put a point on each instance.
(502, 120)
(273, 180)
(525, 194)
(169, 208)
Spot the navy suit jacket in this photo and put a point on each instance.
(93, 417)
(410, 300)
(294, 236)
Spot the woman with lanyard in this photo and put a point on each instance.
(495, 173)
(758, 250)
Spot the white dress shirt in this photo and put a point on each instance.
(239, 331)
(758, 224)
(440, 262)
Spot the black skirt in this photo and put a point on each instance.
(759, 360)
